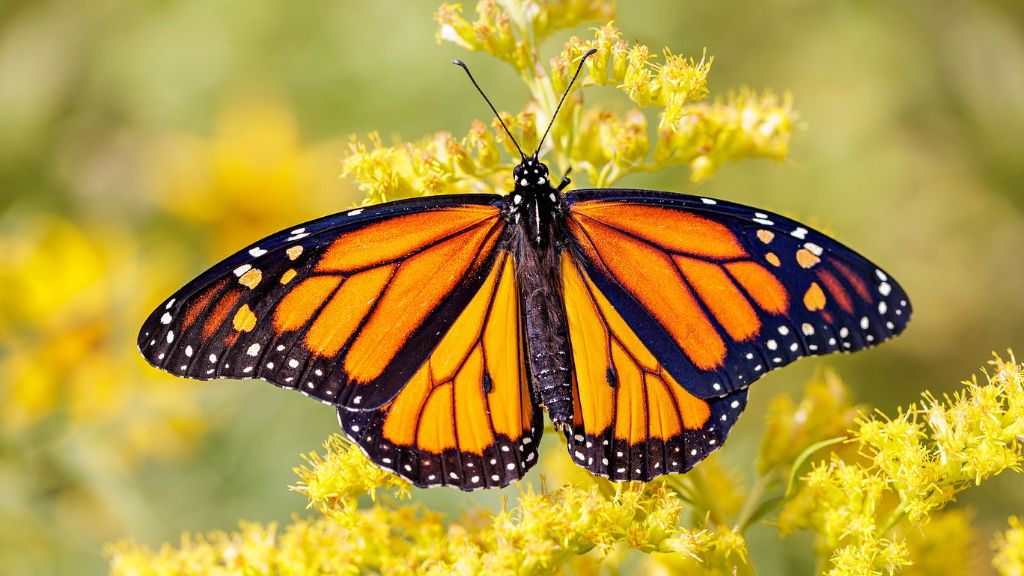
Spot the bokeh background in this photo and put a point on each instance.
(141, 141)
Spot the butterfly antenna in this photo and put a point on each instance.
(462, 65)
(566, 93)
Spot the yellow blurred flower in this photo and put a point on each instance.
(824, 411)
(252, 176)
(1009, 545)
(945, 546)
(70, 313)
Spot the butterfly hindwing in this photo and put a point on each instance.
(632, 420)
(345, 308)
(722, 293)
(466, 418)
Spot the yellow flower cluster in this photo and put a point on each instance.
(825, 412)
(538, 535)
(1009, 558)
(603, 143)
(511, 29)
(909, 467)
(440, 165)
(333, 482)
(71, 298)
(865, 520)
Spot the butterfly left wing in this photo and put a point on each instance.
(466, 418)
(723, 293)
(632, 418)
(345, 309)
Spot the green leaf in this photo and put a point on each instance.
(766, 507)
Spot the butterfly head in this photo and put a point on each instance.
(530, 173)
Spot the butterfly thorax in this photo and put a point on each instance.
(536, 211)
(535, 205)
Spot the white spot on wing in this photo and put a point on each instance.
(257, 252)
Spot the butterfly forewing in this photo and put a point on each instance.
(721, 293)
(345, 308)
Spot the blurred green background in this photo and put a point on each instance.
(140, 141)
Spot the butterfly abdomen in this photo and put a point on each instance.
(547, 340)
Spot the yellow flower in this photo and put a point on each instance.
(944, 546)
(73, 300)
(252, 176)
(605, 144)
(912, 465)
(824, 412)
(1009, 545)
(334, 481)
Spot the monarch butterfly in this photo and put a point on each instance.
(439, 326)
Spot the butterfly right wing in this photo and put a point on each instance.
(632, 419)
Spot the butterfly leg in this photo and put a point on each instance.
(565, 180)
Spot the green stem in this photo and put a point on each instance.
(895, 516)
(753, 500)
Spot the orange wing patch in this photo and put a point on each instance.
(691, 277)
(616, 373)
(466, 416)
(366, 300)
(417, 287)
(625, 400)
(398, 237)
(675, 231)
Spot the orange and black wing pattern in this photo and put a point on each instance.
(632, 420)
(345, 309)
(722, 293)
(466, 418)
(676, 304)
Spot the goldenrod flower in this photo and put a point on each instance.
(1009, 545)
(603, 143)
(334, 481)
(912, 465)
(253, 175)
